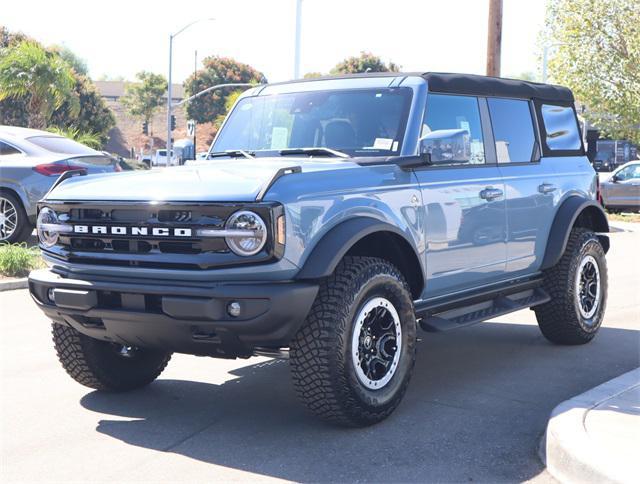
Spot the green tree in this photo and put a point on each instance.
(217, 70)
(13, 111)
(27, 70)
(365, 62)
(142, 99)
(594, 48)
(312, 75)
(94, 116)
(79, 65)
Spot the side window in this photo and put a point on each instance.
(512, 130)
(628, 173)
(561, 127)
(6, 149)
(452, 132)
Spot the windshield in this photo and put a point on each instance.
(359, 122)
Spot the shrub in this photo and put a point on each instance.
(16, 260)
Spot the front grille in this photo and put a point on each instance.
(149, 249)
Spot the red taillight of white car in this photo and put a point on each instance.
(53, 169)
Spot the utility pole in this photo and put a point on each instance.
(494, 38)
(296, 55)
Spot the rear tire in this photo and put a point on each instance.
(352, 359)
(14, 223)
(577, 285)
(106, 366)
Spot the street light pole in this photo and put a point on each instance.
(169, 98)
(296, 55)
(169, 87)
(195, 76)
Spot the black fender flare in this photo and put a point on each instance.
(333, 246)
(564, 221)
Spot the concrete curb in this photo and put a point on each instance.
(12, 284)
(571, 454)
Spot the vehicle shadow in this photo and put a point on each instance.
(475, 410)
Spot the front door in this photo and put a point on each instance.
(463, 196)
(623, 190)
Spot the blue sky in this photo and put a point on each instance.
(120, 38)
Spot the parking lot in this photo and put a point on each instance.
(475, 410)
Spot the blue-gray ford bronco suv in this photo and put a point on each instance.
(331, 219)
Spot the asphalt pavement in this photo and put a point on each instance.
(476, 408)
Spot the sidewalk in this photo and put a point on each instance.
(595, 437)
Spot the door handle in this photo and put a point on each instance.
(490, 193)
(546, 188)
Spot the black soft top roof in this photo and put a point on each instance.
(496, 86)
(471, 84)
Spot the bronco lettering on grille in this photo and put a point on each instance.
(132, 231)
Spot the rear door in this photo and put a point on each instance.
(529, 182)
(463, 196)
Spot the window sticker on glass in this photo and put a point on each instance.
(382, 144)
(279, 138)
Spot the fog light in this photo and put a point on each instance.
(233, 308)
(51, 294)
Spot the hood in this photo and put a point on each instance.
(236, 180)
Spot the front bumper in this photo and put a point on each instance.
(180, 318)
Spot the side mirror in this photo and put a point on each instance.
(446, 145)
(615, 179)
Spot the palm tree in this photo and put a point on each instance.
(29, 71)
(90, 139)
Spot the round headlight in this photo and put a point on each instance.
(47, 216)
(251, 233)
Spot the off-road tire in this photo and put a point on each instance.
(97, 364)
(560, 319)
(323, 371)
(23, 227)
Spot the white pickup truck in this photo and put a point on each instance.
(161, 159)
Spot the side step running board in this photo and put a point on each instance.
(482, 311)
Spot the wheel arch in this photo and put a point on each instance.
(364, 236)
(575, 211)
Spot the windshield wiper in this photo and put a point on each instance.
(317, 150)
(231, 153)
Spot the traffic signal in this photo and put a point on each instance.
(145, 128)
(173, 122)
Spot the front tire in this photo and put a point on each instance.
(577, 285)
(106, 366)
(352, 359)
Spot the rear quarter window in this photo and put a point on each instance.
(561, 128)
